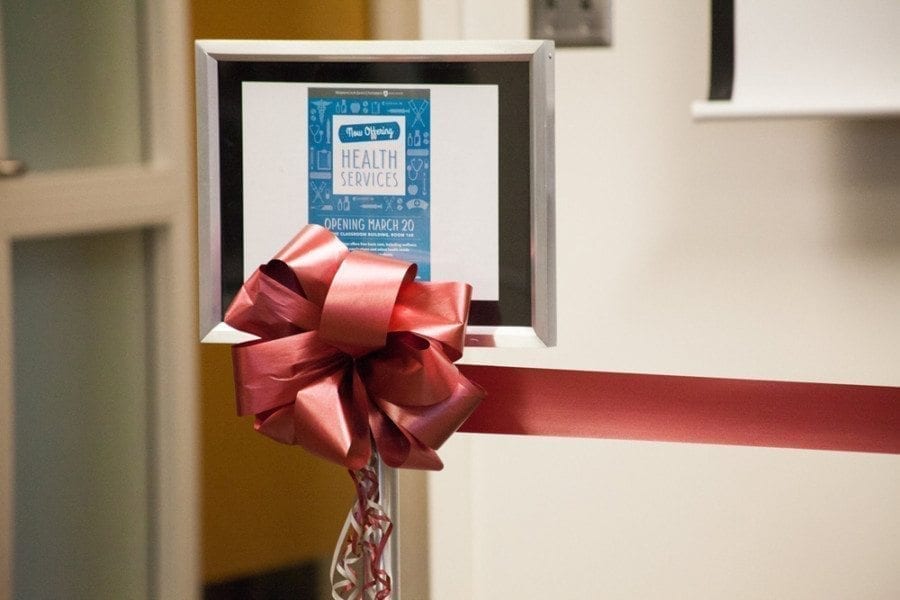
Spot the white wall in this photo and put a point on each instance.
(756, 249)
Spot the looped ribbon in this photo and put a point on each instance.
(357, 569)
(351, 350)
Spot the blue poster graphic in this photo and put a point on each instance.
(370, 169)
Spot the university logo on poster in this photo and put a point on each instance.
(370, 169)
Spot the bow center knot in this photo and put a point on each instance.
(357, 311)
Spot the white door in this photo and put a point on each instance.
(97, 442)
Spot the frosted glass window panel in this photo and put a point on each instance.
(83, 452)
(73, 82)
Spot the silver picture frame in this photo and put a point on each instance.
(524, 312)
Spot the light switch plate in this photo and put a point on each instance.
(572, 22)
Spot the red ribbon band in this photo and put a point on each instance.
(319, 309)
(630, 406)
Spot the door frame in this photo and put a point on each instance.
(158, 196)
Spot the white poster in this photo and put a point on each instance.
(285, 142)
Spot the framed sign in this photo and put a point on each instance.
(438, 153)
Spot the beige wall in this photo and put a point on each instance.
(264, 505)
(757, 249)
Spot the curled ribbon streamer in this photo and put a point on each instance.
(356, 568)
(351, 350)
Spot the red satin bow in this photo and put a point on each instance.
(351, 350)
